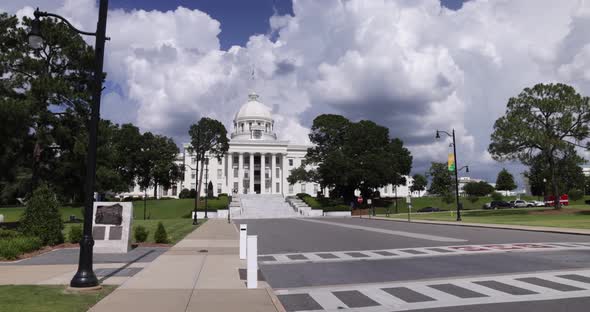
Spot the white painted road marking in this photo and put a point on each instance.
(404, 253)
(388, 302)
(390, 232)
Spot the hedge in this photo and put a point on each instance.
(11, 248)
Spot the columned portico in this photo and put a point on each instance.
(251, 187)
(262, 173)
(273, 165)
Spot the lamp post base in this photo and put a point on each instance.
(85, 277)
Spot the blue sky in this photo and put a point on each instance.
(239, 18)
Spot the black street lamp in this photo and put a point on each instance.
(85, 277)
(452, 135)
(207, 185)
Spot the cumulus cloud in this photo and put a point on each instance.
(413, 66)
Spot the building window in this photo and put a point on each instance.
(242, 125)
(193, 186)
(278, 187)
(278, 173)
(220, 161)
(303, 188)
(290, 188)
(218, 188)
(235, 172)
(193, 160)
(257, 134)
(247, 174)
(290, 162)
(315, 188)
(235, 190)
(267, 173)
(174, 190)
(219, 173)
(193, 176)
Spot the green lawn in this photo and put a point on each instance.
(155, 209)
(177, 229)
(47, 298)
(575, 216)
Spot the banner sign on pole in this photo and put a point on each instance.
(451, 162)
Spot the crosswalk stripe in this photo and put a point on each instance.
(388, 302)
(434, 251)
(327, 300)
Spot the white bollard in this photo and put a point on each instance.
(252, 266)
(1, 218)
(243, 235)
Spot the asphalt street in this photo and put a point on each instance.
(367, 265)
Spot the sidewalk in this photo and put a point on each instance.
(546, 229)
(200, 273)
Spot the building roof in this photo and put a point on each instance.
(253, 109)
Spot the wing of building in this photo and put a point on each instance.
(256, 162)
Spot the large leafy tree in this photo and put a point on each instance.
(48, 92)
(543, 121)
(441, 180)
(352, 155)
(478, 189)
(568, 165)
(208, 137)
(505, 181)
(419, 184)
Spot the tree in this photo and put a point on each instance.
(166, 172)
(44, 102)
(420, 183)
(568, 165)
(505, 181)
(543, 121)
(352, 155)
(208, 137)
(442, 181)
(478, 189)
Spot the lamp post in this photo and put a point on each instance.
(195, 222)
(85, 277)
(452, 135)
(207, 183)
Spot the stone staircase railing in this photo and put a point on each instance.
(302, 208)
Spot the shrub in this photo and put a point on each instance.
(302, 195)
(10, 249)
(472, 199)
(497, 196)
(222, 195)
(141, 234)
(41, 217)
(337, 208)
(576, 194)
(185, 193)
(8, 234)
(448, 197)
(161, 237)
(75, 234)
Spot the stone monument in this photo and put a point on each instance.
(111, 227)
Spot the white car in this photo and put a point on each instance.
(538, 203)
(519, 203)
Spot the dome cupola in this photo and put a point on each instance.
(253, 121)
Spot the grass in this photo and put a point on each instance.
(176, 229)
(47, 298)
(575, 216)
(155, 209)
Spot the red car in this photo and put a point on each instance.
(564, 200)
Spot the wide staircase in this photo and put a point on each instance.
(267, 206)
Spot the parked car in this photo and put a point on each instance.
(519, 203)
(429, 209)
(511, 203)
(496, 204)
(538, 203)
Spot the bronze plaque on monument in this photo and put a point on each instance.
(109, 214)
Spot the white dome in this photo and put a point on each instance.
(253, 109)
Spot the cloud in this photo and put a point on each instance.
(413, 66)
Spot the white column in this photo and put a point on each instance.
(262, 175)
(230, 173)
(284, 173)
(241, 173)
(273, 179)
(251, 188)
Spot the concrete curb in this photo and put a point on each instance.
(275, 300)
(495, 226)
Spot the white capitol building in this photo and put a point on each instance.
(256, 162)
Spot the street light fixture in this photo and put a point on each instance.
(452, 135)
(85, 277)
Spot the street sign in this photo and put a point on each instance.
(359, 200)
(408, 199)
(369, 201)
